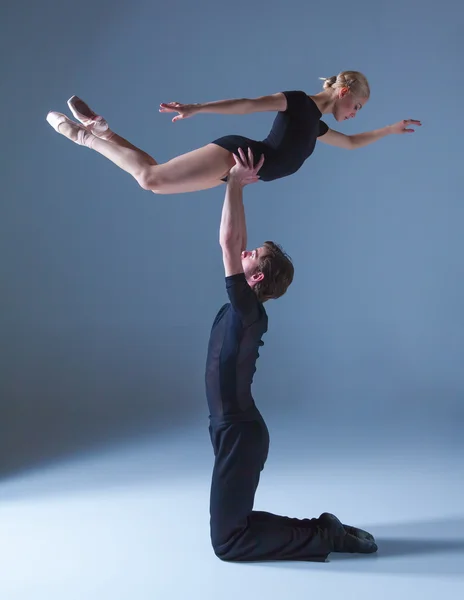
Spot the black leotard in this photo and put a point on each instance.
(290, 142)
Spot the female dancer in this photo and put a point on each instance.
(291, 141)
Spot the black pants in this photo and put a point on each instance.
(239, 533)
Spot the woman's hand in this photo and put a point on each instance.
(185, 110)
(405, 126)
(244, 171)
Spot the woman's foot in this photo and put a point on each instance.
(73, 131)
(93, 122)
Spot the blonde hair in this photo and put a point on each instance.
(355, 81)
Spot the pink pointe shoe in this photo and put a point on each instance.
(84, 137)
(96, 124)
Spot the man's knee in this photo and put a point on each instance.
(221, 542)
(226, 543)
(224, 552)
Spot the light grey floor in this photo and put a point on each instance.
(131, 522)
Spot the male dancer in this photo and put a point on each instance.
(238, 433)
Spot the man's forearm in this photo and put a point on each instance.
(233, 225)
(239, 106)
(358, 140)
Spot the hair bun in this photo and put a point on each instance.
(355, 81)
(328, 81)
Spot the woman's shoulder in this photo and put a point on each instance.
(299, 101)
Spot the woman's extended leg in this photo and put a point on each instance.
(199, 169)
(196, 170)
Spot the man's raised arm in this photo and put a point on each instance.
(232, 232)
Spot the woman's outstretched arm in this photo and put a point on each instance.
(240, 106)
(358, 140)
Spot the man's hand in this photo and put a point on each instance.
(185, 110)
(244, 171)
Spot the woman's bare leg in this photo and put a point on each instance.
(120, 141)
(197, 170)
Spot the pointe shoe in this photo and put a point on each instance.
(96, 124)
(55, 119)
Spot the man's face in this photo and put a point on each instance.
(250, 263)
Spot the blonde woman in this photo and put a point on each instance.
(292, 139)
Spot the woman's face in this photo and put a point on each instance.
(346, 105)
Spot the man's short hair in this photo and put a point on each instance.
(278, 270)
